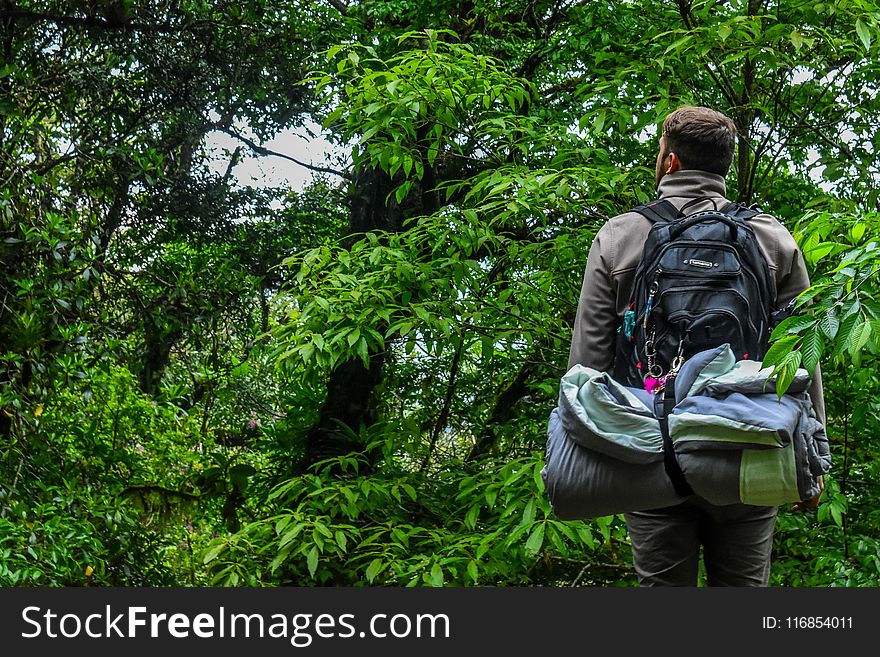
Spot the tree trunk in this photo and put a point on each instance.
(502, 411)
(350, 386)
(348, 406)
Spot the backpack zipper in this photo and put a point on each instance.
(691, 288)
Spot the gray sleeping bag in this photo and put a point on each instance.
(734, 438)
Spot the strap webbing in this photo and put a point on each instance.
(663, 406)
(740, 211)
(661, 211)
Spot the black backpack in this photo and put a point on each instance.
(702, 281)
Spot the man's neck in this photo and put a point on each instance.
(691, 183)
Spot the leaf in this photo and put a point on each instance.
(473, 571)
(373, 569)
(536, 539)
(836, 514)
(363, 352)
(816, 253)
(786, 370)
(539, 480)
(291, 534)
(491, 496)
(484, 546)
(864, 33)
(282, 523)
(470, 520)
(312, 560)
(779, 350)
(604, 524)
(433, 149)
(677, 44)
(529, 512)
(213, 553)
(792, 325)
(811, 349)
(861, 333)
(565, 529)
(238, 474)
(437, 578)
(844, 335)
(857, 232)
(829, 324)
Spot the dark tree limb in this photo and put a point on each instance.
(340, 6)
(263, 151)
(346, 408)
(443, 417)
(111, 20)
(503, 410)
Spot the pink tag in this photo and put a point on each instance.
(651, 384)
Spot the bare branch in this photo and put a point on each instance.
(719, 77)
(341, 6)
(263, 151)
(104, 23)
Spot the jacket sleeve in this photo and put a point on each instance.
(792, 279)
(596, 320)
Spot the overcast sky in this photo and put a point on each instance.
(273, 171)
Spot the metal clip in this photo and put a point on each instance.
(677, 362)
(654, 369)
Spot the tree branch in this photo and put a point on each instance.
(341, 6)
(263, 151)
(720, 78)
(109, 23)
(443, 418)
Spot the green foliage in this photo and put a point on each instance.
(77, 537)
(839, 314)
(188, 362)
(99, 475)
(425, 288)
(400, 528)
(836, 326)
(431, 102)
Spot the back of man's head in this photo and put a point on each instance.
(701, 138)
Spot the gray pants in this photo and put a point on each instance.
(737, 540)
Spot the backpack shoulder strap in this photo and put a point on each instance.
(661, 211)
(741, 211)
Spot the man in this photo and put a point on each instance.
(696, 150)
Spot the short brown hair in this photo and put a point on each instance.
(701, 137)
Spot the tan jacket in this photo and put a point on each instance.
(617, 248)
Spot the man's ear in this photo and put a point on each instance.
(672, 162)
